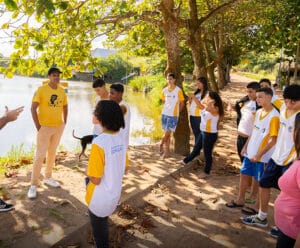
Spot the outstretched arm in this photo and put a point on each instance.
(10, 115)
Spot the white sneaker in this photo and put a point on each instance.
(51, 182)
(32, 192)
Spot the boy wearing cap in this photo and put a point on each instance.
(49, 111)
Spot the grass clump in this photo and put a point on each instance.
(16, 158)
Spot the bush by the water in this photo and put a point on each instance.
(150, 84)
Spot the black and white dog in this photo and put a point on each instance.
(84, 141)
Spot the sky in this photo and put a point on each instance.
(6, 46)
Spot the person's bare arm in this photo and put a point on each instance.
(265, 150)
(95, 180)
(65, 113)
(210, 107)
(244, 149)
(198, 103)
(181, 104)
(34, 107)
(10, 115)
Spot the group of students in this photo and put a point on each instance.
(206, 110)
(108, 157)
(268, 145)
(268, 142)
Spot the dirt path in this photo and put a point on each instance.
(164, 203)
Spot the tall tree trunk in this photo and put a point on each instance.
(210, 68)
(221, 75)
(194, 41)
(228, 69)
(170, 27)
(198, 57)
(297, 63)
(219, 46)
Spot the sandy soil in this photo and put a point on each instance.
(164, 204)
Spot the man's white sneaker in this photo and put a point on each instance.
(32, 192)
(51, 182)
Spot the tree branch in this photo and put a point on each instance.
(217, 10)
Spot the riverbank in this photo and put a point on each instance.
(164, 204)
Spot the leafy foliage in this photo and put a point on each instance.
(115, 67)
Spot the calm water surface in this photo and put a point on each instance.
(18, 91)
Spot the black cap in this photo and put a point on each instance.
(52, 70)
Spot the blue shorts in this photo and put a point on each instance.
(254, 169)
(169, 122)
(271, 174)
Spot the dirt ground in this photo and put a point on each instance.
(164, 204)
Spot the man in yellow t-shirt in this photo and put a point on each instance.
(49, 111)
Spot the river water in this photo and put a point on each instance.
(18, 91)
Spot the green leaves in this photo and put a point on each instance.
(11, 5)
(45, 7)
(64, 30)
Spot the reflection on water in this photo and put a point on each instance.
(19, 91)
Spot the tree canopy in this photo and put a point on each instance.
(61, 32)
(202, 36)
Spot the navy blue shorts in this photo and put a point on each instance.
(254, 169)
(271, 174)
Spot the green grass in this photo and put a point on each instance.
(257, 76)
(15, 158)
(54, 212)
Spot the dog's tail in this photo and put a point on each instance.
(73, 133)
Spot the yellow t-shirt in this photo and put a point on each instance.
(51, 103)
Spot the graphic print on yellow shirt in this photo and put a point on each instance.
(51, 103)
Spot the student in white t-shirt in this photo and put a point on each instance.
(173, 99)
(106, 168)
(265, 82)
(246, 108)
(102, 94)
(195, 101)
(211, 112)
(116, 94)
(259, 146)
